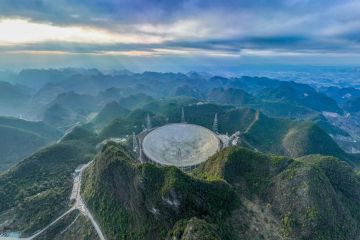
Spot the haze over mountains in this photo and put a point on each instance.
(65, 97)
(292, 138)
(104, 106)
(293, 173)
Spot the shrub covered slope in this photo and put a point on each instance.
(236, 194)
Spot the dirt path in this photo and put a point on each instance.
(256, 118)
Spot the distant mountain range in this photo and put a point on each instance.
(286, 178)
(68, 96)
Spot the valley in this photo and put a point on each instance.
(85, 181)
(350, 124)
(179, 120)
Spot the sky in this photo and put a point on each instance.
(177, 35)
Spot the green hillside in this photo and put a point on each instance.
(133, 201)
(19, 138)
(69, 108)
(16, 144)
(79, 103)
(169, 107)
(325, 125)
(40, 128)
(285, 109)
(81, 134)
(194, 229)
(302, 95)
(313, 197)
(274, 102)
(37, 190)
(291, 138)
(236, 120)
(305, 139)
(258, 131)
(110, 112)
(237, 194)
(60, 117)
(135, 101)
(189, 92)
(73, 226)
(316, 198)
(133, 122)
(230, 96)
(203, 114)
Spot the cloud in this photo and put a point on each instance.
(19, 31)
(156, 28)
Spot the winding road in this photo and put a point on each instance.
(79, 204)
(51, 224)
(256, 118)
